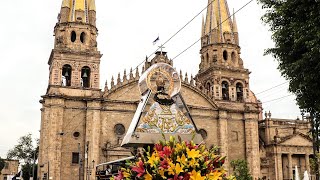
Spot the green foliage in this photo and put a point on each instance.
(314, 162)
(2, 164)
(241, 170)
(24, 150)
(295, 30)
(27, 171)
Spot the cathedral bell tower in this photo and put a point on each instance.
(221, 71)
(74, 62)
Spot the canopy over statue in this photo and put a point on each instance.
(162, 110)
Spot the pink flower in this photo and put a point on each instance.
(139, 168)
(120, 176)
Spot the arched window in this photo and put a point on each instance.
(85, 77)
(233, 57)
(208, 86)
(73, 36)
(225, 90)
(225, 55)
(207, 58)
(83, 37)
(239, 89)
(66, 75)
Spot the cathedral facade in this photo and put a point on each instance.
(82, 125)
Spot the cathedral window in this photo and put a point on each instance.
(225, 55)
(83, 37)
(239, 89)
(207, 58)
(119, 129)
(85, 77)
(233, 57)
(73, 36)
(225, 90)
(76, 134)
(75, 158)
(66, 75)
(208, 86)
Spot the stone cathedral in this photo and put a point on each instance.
(82, 125)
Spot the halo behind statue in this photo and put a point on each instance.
(160, 74)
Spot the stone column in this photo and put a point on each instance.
(290, 166)
(279, 166)
(307, 163)
(252, 143)
(93, 129)
(54, 139)
(223, 136)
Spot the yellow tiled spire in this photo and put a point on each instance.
(66, 3)
(74, 6)
(218, 18)
(222, 12)
(92, 5)
(80, 5)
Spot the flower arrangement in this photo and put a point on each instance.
(175, 160)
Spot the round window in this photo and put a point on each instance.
(203, 133)
(76, 134)
(119, 129)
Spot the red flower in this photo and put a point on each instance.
(190, 146)
(139, 168)
(176, 177)
(158, 147)
(186, 176)
(164, 164)
(166, 152)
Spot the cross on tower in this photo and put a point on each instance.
(161, 48)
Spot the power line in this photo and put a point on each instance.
(168, 41)
(195, 41)
(175, 34)
(272, 88)
(213, 28)
(277, 98)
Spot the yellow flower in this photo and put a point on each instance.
(161, 172)
(126, 174)
(154, 159)
(196, 176)
(179, 147)
(178, 168)
(216, 175)
(193, 153)
(147, 176)
(193, 163)
(175, 169)
(183, 160)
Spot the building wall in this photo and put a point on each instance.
(10, 168)
(63, 116)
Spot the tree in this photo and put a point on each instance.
(28, 153)
(295, 30)
(2, 164)
(241, 170)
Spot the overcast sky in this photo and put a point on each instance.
(126, 31)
